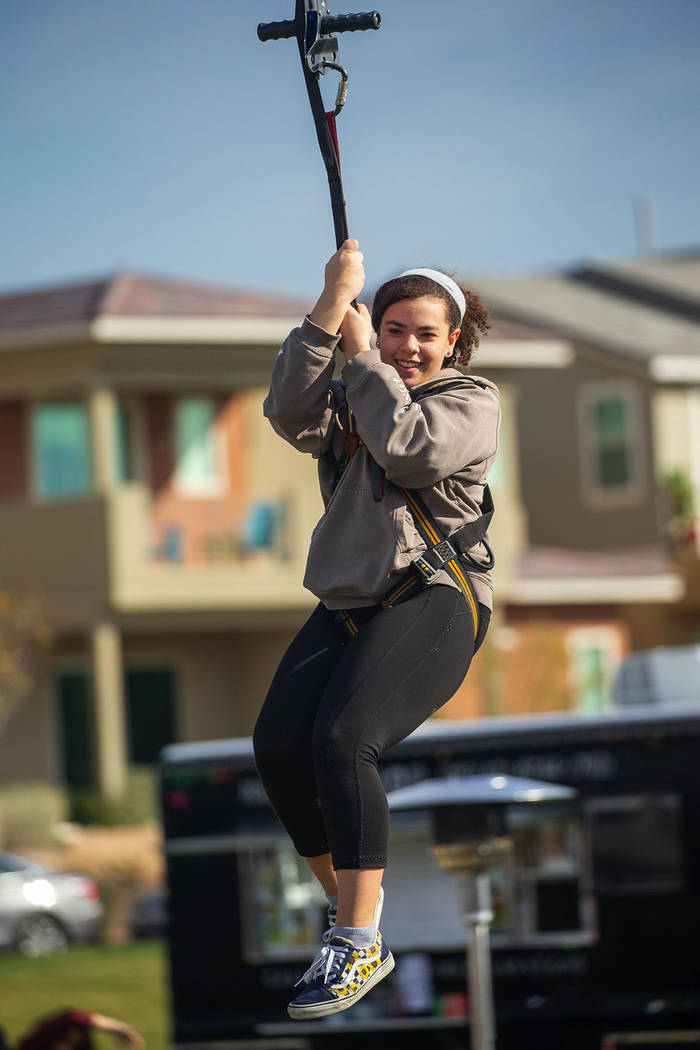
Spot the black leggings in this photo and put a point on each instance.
(336, 703)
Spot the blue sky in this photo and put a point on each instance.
(500, 136)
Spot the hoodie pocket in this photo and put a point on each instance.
(359, 545)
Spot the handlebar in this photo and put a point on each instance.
(329, 24)
(276, 30)
(350, 23)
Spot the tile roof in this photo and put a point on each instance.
(129, 294)
(570, 578)
(507, 330)
(668, 283)
(556, 562)
(575, 311)
(678, 273)
(73, 302)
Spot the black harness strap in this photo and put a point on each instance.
(440, 554)
(468, 536)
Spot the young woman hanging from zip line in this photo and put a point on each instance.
(404, 443)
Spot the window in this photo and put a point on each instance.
(541, 892)
(595, 654)
(197, 470)
(284, 908)
(61, 450)
(125, 458)
(540, 886)
(611, 440)
(637, 843)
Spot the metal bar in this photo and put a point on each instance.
(478, 917)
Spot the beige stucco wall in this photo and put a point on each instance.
(28, 742)
(508, 531)
(560, 510)
(676, 420)
(221, 678)
(54, 371)
(58, 552)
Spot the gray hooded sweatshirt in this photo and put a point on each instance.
(443, 447)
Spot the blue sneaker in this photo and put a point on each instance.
(339, 976)
(332, 913)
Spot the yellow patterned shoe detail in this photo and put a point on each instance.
(339, 976)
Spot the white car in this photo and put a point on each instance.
(42, 911)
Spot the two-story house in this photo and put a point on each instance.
(597, 443)
(146, 501)
(148, 504)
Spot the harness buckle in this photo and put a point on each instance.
(445, 551)
(425, 572)
(428, 565)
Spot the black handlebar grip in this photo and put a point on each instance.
(350, 23)
(276, 30)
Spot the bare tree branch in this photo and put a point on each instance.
(25, 638)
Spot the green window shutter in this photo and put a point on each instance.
(74, 690)
(61, 450)
(150, 705)
(196, 470)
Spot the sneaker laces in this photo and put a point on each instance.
(330, 961)
(331, 916)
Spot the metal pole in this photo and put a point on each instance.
(478, 917)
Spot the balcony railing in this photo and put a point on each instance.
(181, 564)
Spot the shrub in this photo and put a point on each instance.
(122, 861)
(138, 805)
(678, 489)
(118, 857)
(141, 799)
(29, 812)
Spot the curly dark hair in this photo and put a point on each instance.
(415, 286)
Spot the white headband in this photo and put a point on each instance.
(445, 282)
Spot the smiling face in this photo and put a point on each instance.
(414, 336)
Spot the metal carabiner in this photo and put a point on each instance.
(342, 93)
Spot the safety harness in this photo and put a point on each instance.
(314, 26)
(442, 552)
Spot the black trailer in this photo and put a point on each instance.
(597, 926)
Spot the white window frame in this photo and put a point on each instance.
(633, 491)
